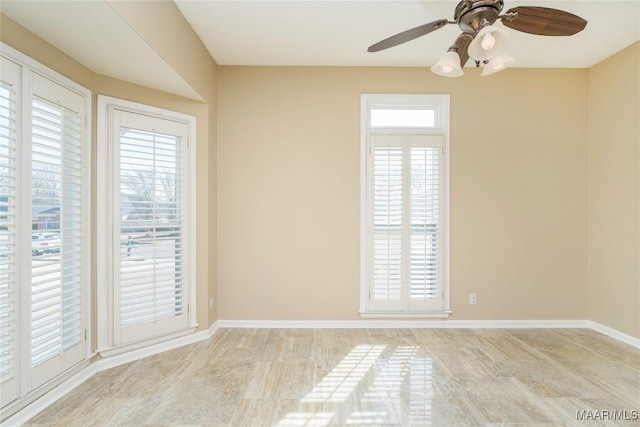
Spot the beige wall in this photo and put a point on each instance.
(288, 190)
(614, 192)
(19, 38)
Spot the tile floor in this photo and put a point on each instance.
(359, 377)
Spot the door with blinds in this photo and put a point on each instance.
(150, 249)
(404, 250)
(44, 256)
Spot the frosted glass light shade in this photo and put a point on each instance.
(448, 65)
(488, 43)
(497, 63)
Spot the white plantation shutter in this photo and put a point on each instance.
(151, 208)
(388, 222)
(405, 262)
(9, 264)
(59, 218)
(56, 198)
(425, 223)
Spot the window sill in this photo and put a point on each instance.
(405, 315)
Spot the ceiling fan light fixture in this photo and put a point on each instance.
(497, 63)
(448, 65)
(489, 42)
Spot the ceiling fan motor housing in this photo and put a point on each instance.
(472, 14)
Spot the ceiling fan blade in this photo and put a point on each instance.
(408, 35)
(544, 21)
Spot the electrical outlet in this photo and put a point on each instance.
(472, 298)
(211, 303)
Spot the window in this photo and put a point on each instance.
(404, 199)
(145, 213)
(402, 117)
(44, 225)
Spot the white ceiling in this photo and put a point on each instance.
(92, 33)
(308, 32)
(339, 32)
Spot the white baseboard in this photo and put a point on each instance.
(38, 400)
(150, 350)
(31, 410)
(22, 416)
(615, 334)
(372, 324)
(34, 408)
(213, 328)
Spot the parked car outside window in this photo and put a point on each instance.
(45, 243)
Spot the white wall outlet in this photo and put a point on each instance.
(211, 303)
(472, 298)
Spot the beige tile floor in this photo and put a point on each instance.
(351, 377)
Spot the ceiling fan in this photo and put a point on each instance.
(481, 40)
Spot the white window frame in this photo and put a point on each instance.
(440, 104)
(106, 217)
(26, 392)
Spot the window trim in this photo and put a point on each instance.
(441, 104)
(105, 218)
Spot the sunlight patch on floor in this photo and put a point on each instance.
(421, 391)
(367, 418)
(383, 392)
(388, 381)
(316, 419)
(346, 375)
